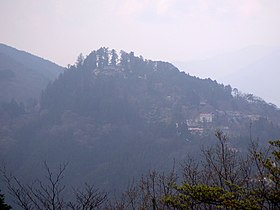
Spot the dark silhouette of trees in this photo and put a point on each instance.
(80, 61)
(124, 60)
(102, 57)
(3, 205)
(88, 198)
(114, 57)
(90, 61)
(49, 193)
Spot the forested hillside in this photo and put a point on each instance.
(115, 116)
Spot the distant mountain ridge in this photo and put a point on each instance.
(23, 75)
(254, 69)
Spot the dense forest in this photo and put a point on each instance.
(115, 116)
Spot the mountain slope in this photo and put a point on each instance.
(22, 75)
(115, 119)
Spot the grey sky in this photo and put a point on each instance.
(157, 29)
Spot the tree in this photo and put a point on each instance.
(124, 60)
(148, 192)
(228, 180)
(88, 199)
(267, 181)
(49, 193)
(90, 61)
(3, 205)
(80, 60)
(114, 57)
(102, 57)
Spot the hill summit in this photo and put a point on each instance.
(112, 87)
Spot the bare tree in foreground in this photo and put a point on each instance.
(48, 194)
(147, 193)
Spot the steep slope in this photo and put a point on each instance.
(114, 119)
(22, 75)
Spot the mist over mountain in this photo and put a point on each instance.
(23, 76)
(253, 69)
(114, 116)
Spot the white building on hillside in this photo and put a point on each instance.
(206, 117)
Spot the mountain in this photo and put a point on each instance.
(115, 116)
(245, 69)
(22, 75)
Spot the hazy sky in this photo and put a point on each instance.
(171, 30)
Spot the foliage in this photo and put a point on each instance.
(227, 183)
(3, 205)
(197, 196)
(268, 180)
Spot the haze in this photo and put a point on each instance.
(171, 30)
